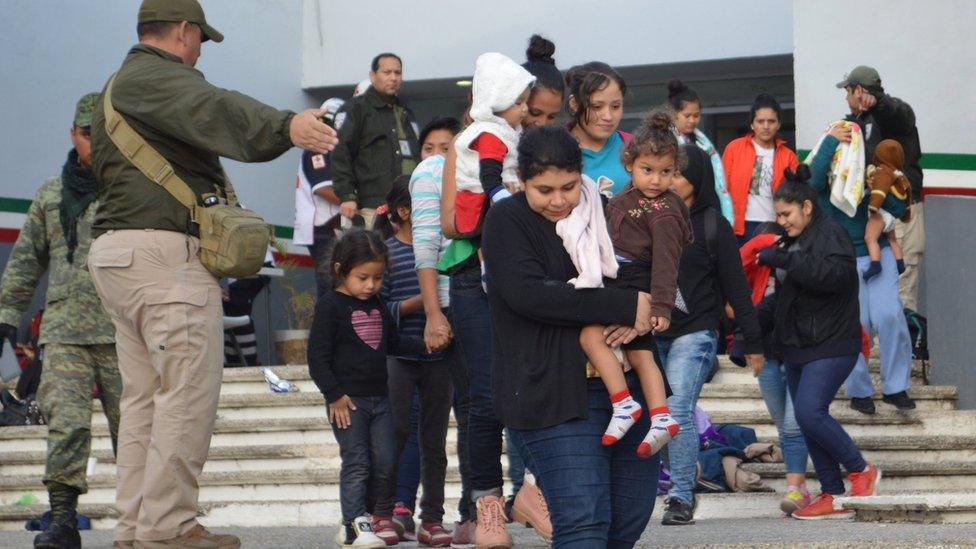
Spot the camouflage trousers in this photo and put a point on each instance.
(65, 397)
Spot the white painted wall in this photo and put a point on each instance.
(54, 51)
(439, 39)
(924, 51)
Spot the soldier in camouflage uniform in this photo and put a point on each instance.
(77, 335)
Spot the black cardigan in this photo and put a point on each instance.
(814, 312)
(538, 366)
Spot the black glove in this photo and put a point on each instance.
(767, 254)
(8, 333)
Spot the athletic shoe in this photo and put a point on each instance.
(358, 534)
(385, 529)
(865, 483)
(433, 534)
(678, 512)
(794, 500)
(403, 521)
(822, 508)
(491, 532)
(864, 405)
(900, 400)
(531, 509)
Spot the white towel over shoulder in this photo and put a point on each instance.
(585, 236)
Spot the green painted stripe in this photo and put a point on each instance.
(933, 161)
(14, 205)
(21, 205)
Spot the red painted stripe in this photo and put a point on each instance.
(948, 191)
(9, 236)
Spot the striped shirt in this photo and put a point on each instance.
(429, 242)
(400, 284)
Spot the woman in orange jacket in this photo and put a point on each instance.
(754, 165)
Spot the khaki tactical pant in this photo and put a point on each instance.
(369, 217)
(167, 313)
(911, 236)
(65, 398)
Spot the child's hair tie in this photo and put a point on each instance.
(383, 209)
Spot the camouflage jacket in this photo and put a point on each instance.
(73, 313)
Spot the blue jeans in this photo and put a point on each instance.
(472, 328)
(599, 496)
(813, 386)
(408, 471)
(687, 361)
(882, 314)
(776, 395)
(368, 451)
(516, 467)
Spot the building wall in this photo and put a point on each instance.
(341, 38)
(924, 53)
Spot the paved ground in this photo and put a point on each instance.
(711, 533)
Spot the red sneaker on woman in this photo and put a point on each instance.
(822, 508)
(865, 483)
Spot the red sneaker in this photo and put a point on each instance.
(865, 483)
(433, 534)
(385, 529)
(822, 508)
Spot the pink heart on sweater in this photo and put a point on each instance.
(369, 327)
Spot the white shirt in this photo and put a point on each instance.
(311, 210)
(760, 205)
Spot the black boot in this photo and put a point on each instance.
(62, 533)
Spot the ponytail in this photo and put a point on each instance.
(388, 214)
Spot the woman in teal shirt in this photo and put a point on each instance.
(596, 103)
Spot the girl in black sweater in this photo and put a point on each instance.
(351, 336)
(815, 319)
(556, 414)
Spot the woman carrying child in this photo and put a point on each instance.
(599, 496)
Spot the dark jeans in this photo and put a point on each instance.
(813, 386)
(321, 251)
(472, 329)
(368, 457)
(408, 466)
(462, 410)
(433, 382)
(599, 496)
(516, 467)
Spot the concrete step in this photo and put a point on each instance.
(952, 508)
(897, 476)
(730, 373)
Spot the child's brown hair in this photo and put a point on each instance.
(655, 136)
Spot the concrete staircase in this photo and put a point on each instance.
(274, 461)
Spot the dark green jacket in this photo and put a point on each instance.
(368, 159)
(192, 124)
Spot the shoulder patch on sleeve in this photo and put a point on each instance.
(340, 119)
(318, 161)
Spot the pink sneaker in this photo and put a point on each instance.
(531, 509)
(491, 532)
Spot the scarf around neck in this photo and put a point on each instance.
(78, 191)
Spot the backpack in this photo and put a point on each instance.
(918, 332)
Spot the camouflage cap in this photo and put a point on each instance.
(84, 109)
(861, 75)
(178, 10)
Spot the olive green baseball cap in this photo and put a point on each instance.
(84, 109)
(861, 75)
(176, 11)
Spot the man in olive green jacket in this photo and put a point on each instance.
(145, 263)
(77, 336)
(377, 141)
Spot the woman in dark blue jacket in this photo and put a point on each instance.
(814, 315)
